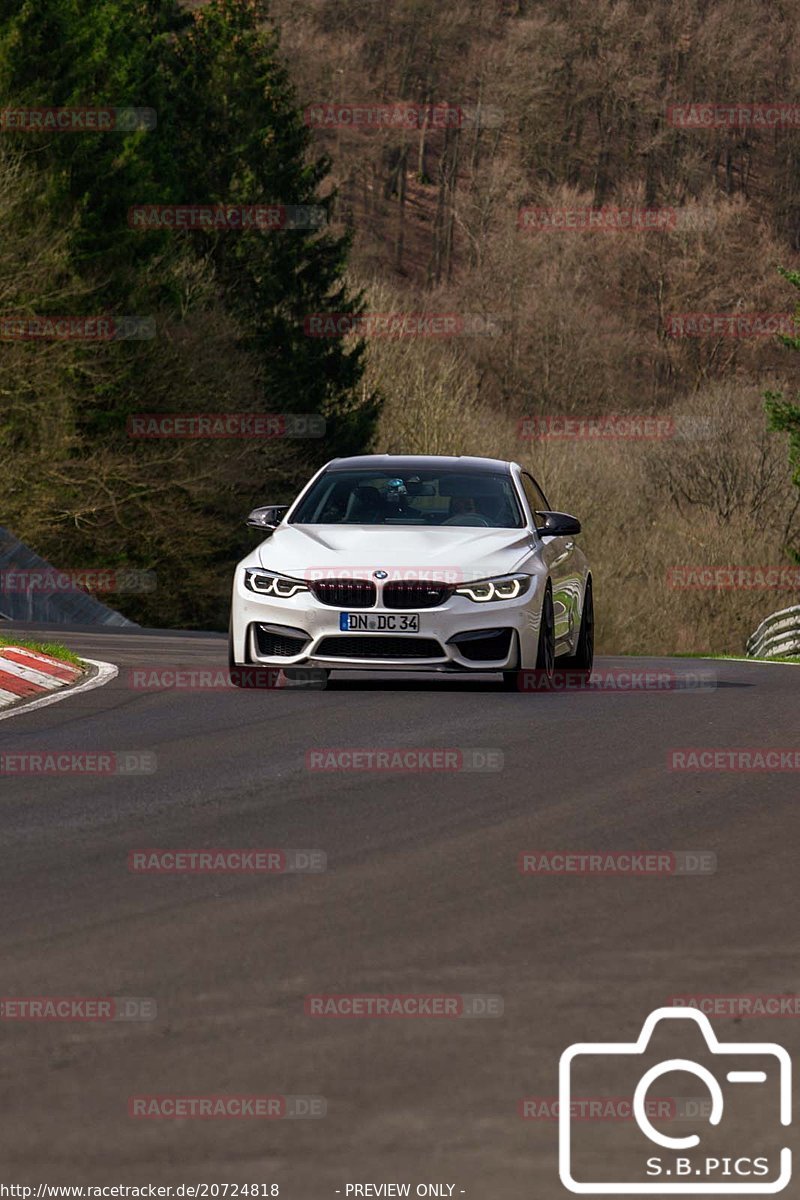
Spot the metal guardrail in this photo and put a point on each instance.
(63, 608)
(777, 635)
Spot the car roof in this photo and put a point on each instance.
(420, 462)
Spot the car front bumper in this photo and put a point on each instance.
(257, 620)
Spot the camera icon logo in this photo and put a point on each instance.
(652, 1161)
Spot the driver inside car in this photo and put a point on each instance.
(467, 510)
(462, 504)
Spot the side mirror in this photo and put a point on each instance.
(268, 517)
(558, 524)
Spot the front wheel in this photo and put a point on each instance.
(546, 654)
(583, 658)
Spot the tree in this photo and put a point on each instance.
(784, 416)
(229, 306)
(228, 132)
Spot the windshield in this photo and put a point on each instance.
(437, 497)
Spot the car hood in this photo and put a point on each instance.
(358, 550)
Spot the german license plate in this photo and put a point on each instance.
(379, 622)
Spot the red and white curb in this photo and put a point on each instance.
(31, 680)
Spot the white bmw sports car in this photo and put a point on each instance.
(415, 563)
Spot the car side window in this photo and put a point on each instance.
(534, 494)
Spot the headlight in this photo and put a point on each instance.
(266, 583)
(506, 587)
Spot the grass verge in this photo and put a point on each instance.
(54, 649)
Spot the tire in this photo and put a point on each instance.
(581, 661)
(546, 653)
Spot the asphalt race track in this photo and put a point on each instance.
(422, 894)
